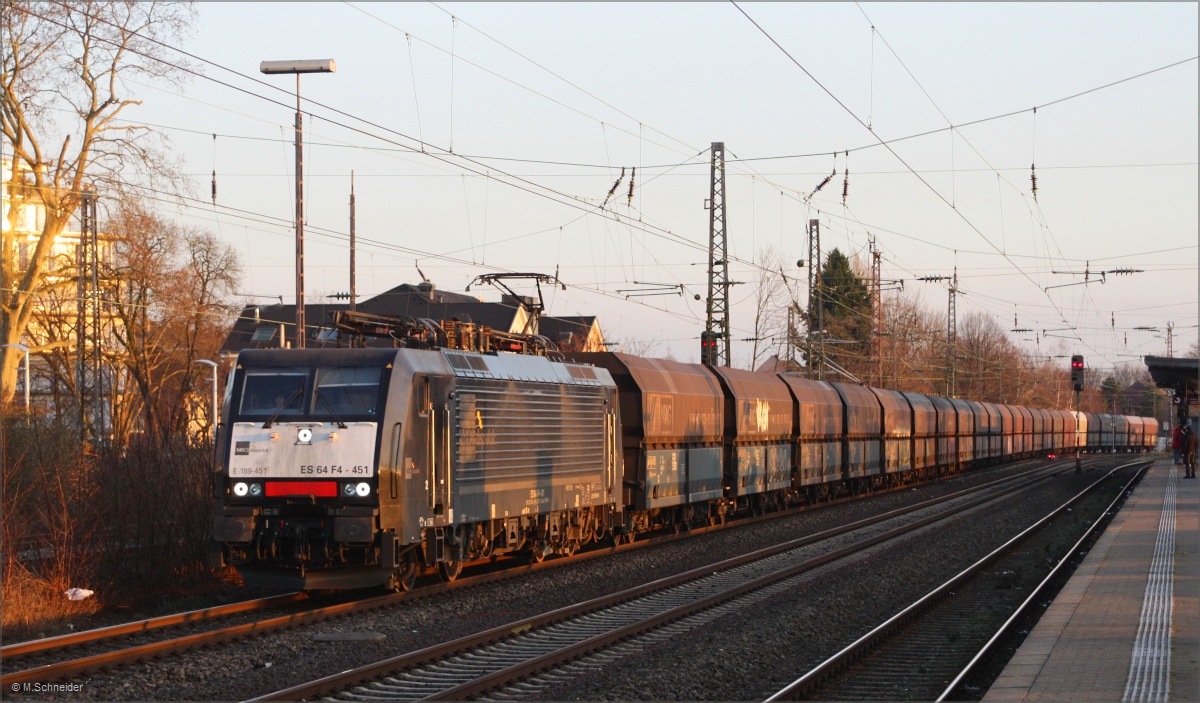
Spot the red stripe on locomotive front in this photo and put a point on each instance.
(321, 489)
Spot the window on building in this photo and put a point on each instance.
(263, 334)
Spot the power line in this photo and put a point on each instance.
(1013, 113)
(964, 218)
(445, 157)
(322, 231)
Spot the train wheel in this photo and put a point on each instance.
(405, 576)
(449, 570)
(537, 553)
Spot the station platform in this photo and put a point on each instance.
(1125, 626)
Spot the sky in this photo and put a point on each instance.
(542, 105)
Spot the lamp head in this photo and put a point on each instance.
(298, 66)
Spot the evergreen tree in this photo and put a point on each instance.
(846, 314)
(1111, 389)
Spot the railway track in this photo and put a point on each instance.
(53, 658)
(495, 661)
(929, 649)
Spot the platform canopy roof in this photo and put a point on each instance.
(1178, 374)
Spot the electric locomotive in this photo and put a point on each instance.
(345, 468)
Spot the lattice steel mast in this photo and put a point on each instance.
(815, 353)
(89, 379)
(876, 313)
(718, 261)
(952, 338)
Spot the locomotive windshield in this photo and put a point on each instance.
(274, 390)
(337, 391)
(347, 391)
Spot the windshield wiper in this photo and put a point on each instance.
(331, 410)
(271, 420)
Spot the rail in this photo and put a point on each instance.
(1036, 592)
(535, 642)
(815, 676)
(58, 670)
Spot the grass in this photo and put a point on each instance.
(34, 606)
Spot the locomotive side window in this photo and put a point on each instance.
(271, 390)
(346, 391)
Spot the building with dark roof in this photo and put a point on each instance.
(270, 326)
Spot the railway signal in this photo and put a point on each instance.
(708, 348)
(1077, 372)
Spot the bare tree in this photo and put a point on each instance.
(770, 304)
(65, 85)
(638, 347)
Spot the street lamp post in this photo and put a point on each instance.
(299, 67)
(25, 349)
(213, 418)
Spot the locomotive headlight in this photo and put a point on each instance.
(240, 489)
(304, 435)
(348, 489)
(256, 489)
(363, 490)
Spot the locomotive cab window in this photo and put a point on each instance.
(273, 390)
(346, 391)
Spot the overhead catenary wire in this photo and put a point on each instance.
(412, 70)
(521, 184)
(321, 231)
(964, 218)
(1042, 221)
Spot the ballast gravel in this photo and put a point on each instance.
(260, 665)
(751, 654)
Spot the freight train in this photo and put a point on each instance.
(349, 468)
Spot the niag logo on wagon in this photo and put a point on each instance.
(244, 449)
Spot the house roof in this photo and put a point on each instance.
(405, 300)
(558, 328)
